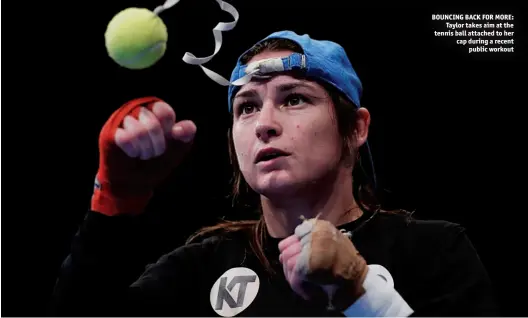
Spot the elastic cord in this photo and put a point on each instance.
(190, 58)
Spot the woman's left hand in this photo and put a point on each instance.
(319, 260)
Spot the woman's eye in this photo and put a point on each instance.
(295, 99)
(247, 108)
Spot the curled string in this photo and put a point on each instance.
(190, 58)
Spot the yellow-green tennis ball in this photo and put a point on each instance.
(136, 38)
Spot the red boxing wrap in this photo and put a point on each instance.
(124, 185)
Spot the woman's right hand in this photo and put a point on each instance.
(139, 146)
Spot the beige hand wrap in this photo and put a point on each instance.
(328, 257)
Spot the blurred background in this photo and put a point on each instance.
(445, 131)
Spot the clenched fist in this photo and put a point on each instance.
(319, 260)
(139, 145)
(145, 136)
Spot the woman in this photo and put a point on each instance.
(320, 247)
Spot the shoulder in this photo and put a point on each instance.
(420, 239)
(429, 245)
(193, 258)
(204, 247)
(434, 227)
(436, 232)
(435, 267)
(408, 227)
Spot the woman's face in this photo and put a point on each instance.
(291, 117)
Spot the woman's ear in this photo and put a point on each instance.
(362, 127)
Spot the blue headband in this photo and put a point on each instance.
(323, 60)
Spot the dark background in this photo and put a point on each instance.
(445, 133)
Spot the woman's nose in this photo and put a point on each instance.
(267, 125)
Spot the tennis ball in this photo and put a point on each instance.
(136, 38)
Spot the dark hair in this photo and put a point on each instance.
(346, 114)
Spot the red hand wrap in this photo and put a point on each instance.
(125, 185)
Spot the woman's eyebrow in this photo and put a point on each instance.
(290, 86)
(281, 88)
(247, 93)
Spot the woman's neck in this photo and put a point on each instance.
(330, 200)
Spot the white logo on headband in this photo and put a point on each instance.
(265, 66)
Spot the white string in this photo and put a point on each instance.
(168, 4)
(190, 58)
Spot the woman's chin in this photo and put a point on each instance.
(277, 187)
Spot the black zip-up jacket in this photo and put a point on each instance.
(433, 264)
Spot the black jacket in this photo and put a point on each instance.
(433, 264)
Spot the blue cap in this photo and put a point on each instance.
(323, 60)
